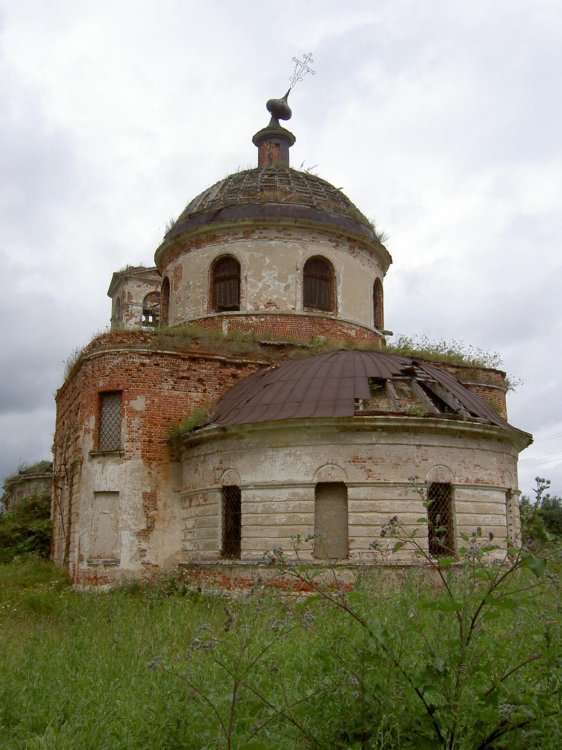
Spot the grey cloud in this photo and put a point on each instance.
(26, 438)
(39, 177)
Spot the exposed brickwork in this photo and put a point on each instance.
(486, 382)
(67, 462)
(158, 389)
(231, 578)
(295, 327)
(269, 153)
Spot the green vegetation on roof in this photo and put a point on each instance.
(454, 352)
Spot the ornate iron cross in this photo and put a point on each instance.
(302, 67)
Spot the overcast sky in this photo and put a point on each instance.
(441, 120)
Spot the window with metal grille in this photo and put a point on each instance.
(318, 285)
(440, 519)
(151, 309)
(378, 309)
(231, 522)
(110, 422)
(226, 284)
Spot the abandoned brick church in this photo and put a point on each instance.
(261, 330)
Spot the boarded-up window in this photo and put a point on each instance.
(440, 519)
(225, 283)
(104, 542)
(231, 522)
(165, 302)
(378, 305)
(151, 310)
(318, 285)
(110, 422)
(330, 521)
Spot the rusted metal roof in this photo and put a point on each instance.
(333, 384)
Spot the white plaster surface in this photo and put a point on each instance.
(271, 274)
(279, 467)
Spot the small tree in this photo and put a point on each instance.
(26, 529)
(542, 517)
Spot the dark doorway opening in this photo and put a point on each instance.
(231, 522)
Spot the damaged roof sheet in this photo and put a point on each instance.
(329, 385)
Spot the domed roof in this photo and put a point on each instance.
(349, 383)
(272, 192)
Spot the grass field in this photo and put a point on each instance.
(162, 666)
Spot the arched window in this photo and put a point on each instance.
(318, 285)
(378, 305)
(165, 302)
(225, 284)
(440, 529)
(151, 310)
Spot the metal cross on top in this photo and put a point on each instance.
(301, 69)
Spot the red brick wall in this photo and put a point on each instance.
(296, 327)
(67, 461)
(173, 385)
(487, 383)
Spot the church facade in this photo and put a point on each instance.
(244, 397)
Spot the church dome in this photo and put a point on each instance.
(273, 192)
(349, 383)
(278, 243)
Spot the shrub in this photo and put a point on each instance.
(458, 668)
(177, 430)
(542, 517)
(26, 529)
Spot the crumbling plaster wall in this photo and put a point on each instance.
(272, 262)
(280, 464)
(157, 388)
(127, 296)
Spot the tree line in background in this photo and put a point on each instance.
(541, 518)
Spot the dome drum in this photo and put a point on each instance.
(275, 278)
